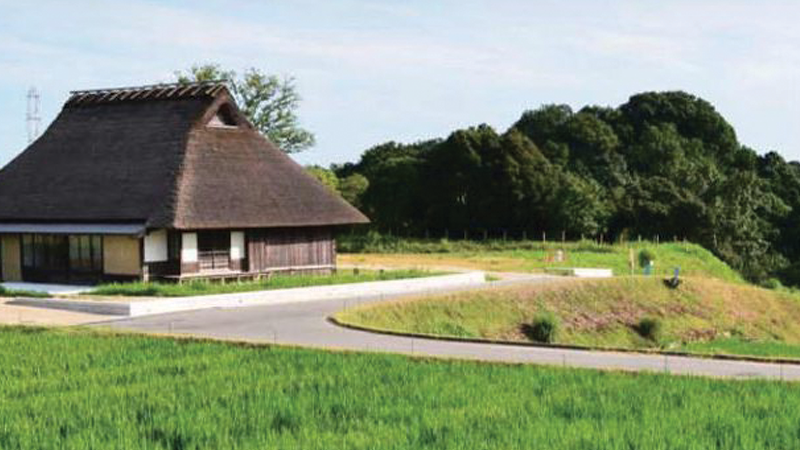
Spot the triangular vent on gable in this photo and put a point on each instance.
(224, 118)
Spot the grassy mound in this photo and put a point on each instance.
(701, 314)
(532, 256)
(75, 390)
(201, 287)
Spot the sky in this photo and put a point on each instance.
(374, 71)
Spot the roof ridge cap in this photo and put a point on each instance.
(163, 91)
(151, 86)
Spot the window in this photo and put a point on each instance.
(224, 118)
(54, 252)
(97, 253)
(174, 245)
(27, 250)
(213, 249)
(85, 253)
(44, 251)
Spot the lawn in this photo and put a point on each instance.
(157, 289)
(704, 315)
(78, 390)
(738, 346)
(5, 292)
(533, 256)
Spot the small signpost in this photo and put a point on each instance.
(631, 261)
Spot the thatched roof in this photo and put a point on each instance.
(158, 155)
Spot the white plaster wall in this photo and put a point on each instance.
(237, 244)
(155, 246)
(189, 247)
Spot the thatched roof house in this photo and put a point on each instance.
(161, 181)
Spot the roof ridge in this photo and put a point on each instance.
(160, 91)
(150, 86)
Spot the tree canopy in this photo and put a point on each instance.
(268, 101)
(663, 163)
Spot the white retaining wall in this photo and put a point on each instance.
(592, 273)
(581, 272)
(271, 297)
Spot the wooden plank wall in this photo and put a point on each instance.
(289, 247)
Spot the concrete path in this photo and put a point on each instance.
(47, 288)
(306, 324)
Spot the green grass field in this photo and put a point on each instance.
(738, 346)
(533, 256)
(157, 289)
(77, 390)
(704, 315)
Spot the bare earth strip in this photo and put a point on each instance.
(23, 315)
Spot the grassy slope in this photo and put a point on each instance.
(77, 390)
(275, 282)
(532, 256)
(603, 313)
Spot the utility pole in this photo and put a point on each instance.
(32, 118)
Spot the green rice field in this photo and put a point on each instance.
(70, 389)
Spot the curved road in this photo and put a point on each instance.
(306, 324)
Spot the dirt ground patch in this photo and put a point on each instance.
(25, 315)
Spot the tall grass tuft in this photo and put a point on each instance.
(649, 328)
(544, 328)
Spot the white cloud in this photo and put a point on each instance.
(417, 67)
(661, 51)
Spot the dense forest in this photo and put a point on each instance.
(663, 164)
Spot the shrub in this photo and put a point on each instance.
(645, 256)
(772, 283)
(649, 328)
(544, 328)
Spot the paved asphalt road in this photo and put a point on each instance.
(306, 324)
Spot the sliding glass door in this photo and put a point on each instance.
(58, 258)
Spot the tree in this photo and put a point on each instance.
(545, 127)
(393, 195)
(580, 207)
(457, 186)
(692, 117)
(593, 147)
(352, 188)
(324, 176)
(268, 101)
(663, 163)
(744, 217)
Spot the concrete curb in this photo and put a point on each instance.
(436, 337)
(268, 297)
